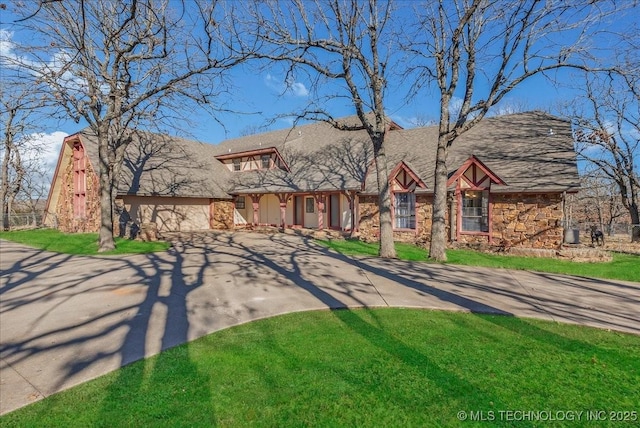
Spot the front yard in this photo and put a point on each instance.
(383, 367)
(78, 243)
(624, 267)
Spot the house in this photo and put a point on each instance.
(507, 184)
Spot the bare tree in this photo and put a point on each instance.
(599, 200)
(20, 105)
(33, 191)
(608, 134)
(121, 65)
(343, 44)
(475, 52)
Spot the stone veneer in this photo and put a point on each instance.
(369, 225)
(65, 216)
(369, 221)
(527, 220)
(519, 220)
(222, 217)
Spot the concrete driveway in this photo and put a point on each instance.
(66, 319)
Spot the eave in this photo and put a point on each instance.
(256, 152)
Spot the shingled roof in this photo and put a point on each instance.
(531, 152)
(161, 165)
(519, 148)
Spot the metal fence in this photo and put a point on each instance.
(24, 220)
(617, 231)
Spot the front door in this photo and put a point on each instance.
(298, 211)
(334, 211)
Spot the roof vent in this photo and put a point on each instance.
(550, 132)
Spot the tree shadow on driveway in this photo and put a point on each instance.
(65, 320)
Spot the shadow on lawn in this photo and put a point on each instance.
(84, 316)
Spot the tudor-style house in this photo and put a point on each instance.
(507, 182)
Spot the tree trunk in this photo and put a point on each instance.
(5, 216)
(438, 245)
(105, 240)
(387, 248)
(4, 187)
(635, 220)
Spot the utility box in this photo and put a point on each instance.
(572, 236)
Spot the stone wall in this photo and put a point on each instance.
(527, 220)
(369, 221)
(66, 220)
(369, 225)
(424, 211)
(519, 220)
(222, 217)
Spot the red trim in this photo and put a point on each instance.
(320, 199)
(459, 230)
(282, 199)
(212, 213)
(458, 212)
(68, 139)
(393, 212)
(477, 164)
(394, 126)
(79, 159)
(255, 205)
(402, 166)
(490, 216)
(252, 153)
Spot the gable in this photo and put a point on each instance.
(473, 174)
(251, 160)
(67, 155)
(403, 178)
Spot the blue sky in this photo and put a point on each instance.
(259, 96)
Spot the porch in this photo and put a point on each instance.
(318, 210)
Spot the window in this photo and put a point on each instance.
(310, 205)
(266, 161)
(405, 211)
(240, 203)
(236, 164)
(475, 211)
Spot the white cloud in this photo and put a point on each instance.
(288, 87)
(298, 89)
(455, 105)
(45, 149)
(38, 67)
(6, 46)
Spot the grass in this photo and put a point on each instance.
(624, 267)
(78, 243)
(383, 367)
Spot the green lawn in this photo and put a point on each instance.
(78, 243)
(383, 367)
(625, 267)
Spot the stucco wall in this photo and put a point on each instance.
(170, 214)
